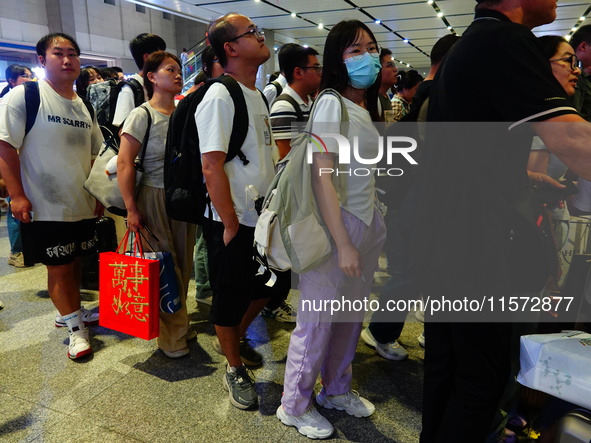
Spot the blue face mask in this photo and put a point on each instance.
(363, 72)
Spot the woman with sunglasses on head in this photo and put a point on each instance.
(325, 342)
(146, 206)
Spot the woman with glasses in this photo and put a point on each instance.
(324, 342)
(543, 167)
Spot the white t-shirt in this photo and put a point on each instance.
(136, 125)
(270, 90)
(214, 117)
(359, 189)
(55, 155)
(126, 102)
(283, 115)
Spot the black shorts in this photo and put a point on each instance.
(232, 274)
(57, 243)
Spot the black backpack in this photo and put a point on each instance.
(278, 87)
(186, 194)
(33, 101)
(103, 97)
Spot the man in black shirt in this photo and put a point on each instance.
(495, 73)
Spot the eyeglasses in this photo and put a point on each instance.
(258, 33)
(373, 50)
(572, 60)
(317, 68)
(389, 65)
(26, 76)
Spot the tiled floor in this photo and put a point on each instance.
(130, 392)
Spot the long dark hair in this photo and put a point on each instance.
(550, 44)
(334, 72)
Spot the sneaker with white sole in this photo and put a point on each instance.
(284, 313)
(351, 402)
(240, 388)
(79, 344)
(392, 350)
(311, 423)
(89, 318)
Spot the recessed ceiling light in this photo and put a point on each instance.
(408, 65)
(378, 21)
(567, 37)
(582, 18)
(449, 27)
(305, 46)
(574, 29)
(405, 40)
(430, 2)
(440, 14)
(320, 26)
(293, 14)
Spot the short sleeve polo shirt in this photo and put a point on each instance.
(497, 72)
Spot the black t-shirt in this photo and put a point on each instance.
(495, 73)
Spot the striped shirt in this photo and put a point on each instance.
(283, 115)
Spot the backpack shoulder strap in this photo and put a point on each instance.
(265, 100)
(277, 86)
(146, 138)
(288, 98)
(240, 122)
(32, 103)
(138, 91)
(89, 107)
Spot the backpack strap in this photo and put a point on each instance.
(32, 103)
(240, 122)
(89, 108)
(278, 86)
(140, 165)
(138, 91)
(288, 98)
(265, 100)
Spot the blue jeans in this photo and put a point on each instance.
(14, 231)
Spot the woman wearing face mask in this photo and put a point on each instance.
(325, 342)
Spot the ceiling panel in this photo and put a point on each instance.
(412, 19)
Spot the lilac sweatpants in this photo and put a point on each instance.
(325, 343)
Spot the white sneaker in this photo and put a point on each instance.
(310, 423)
(350, 402)
(392, 350)
(17, 260)
(283, 314)
(79, 344)
(89, 318)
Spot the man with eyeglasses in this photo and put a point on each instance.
(303, 73)
(472, 176)
(390, 78)
(239, 295)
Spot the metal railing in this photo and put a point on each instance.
(193, 66)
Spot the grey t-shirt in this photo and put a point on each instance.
(136, 125)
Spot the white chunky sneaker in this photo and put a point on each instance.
(351, 402)
(310, 423)
(89, 318)
(391, 350)
(79, 344)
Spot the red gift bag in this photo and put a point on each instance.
(129, 291)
